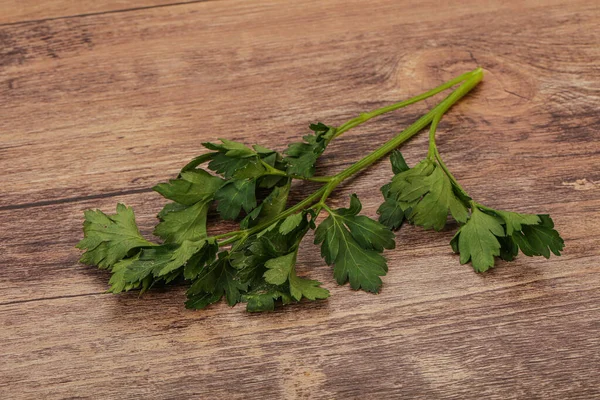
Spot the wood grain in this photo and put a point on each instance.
(157, 106)
(97, 108)
(18, 11)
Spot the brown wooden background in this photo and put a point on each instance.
(99, 100)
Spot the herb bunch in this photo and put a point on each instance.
(256, 264)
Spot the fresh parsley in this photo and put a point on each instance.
(257, 264)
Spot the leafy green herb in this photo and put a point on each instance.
(302, 157)
(282, 270)
(257, 264)
(391, 214)
(352, 243)
(215, 281)
(490, 233)
(425, 193)
(109, 238)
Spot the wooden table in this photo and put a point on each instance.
(100, 100)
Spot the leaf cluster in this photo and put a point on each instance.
(426, 194)
(258, 267)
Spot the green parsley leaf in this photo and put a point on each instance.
(166, 261)
(117, 281)
(540, 239)
(256, 262)
(186, 219)
(432, 210)
(186, 224)
(270, 207)
(264, 151)
(231, 149)
(263, 297)
(302, 156)
(229, 166)
(489, 233)
(282, 269)
(369, 233)
(265, 245)
(354, 254)
(202, 300)
(515, 221)
(161, 260)
(196, 161)
(428, 192)
(192, 187)
(391, 213)
(215, 281)
(170, 208)
(307, 288)
(274, 160)
(251, 218)
(279, 269)
(109, 238)
(477, 240)
(234, 159)
(508, 248)
(204, 256)
(253, 169)
(235, 195)
(291, 223)
(398, 162)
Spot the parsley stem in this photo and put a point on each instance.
(433, 152)
(473, 79)
(449, 174)
(227, 234)
(316, 178)
(432, 129)
(322, 179)
(230, 240)
(324, 206)
(277, 172)
(434, 155)
(364, 117)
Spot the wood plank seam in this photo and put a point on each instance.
(75, 199)
(92, 14)
(65, 296)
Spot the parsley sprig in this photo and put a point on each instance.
(256, 264)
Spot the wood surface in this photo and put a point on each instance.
(17, 11)
(101, 100)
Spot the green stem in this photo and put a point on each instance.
(277, 172)
(329, 210)
(433, 152)
(434, 155)
(227, 234)
(230, 240)
(442, 164)
(364, 117)
(474, 78)
(322, 179)
(471, 80)
(432, 129)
